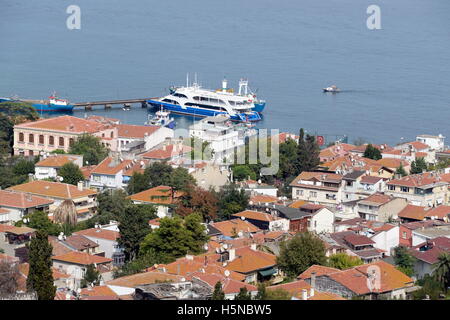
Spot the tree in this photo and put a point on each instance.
(71, 173)
(200, 201)
(262, 292)
(401, 171)
(301, 252)
(39, 220)
(40, 276)
(181, 180)
(231, 200)
(372, 153)
(441, 270)
(143, 261)
(278, 294)
(307, 153)
(9, 278)
(23, 167)
(418, 166)
(243, 172)
(133, 227)
(158, 174)
(138, 182)
(243, 294)
(176, 237)
(343, 261)
(66, 213)
(429, 288)
(91, 277)
(288, 159)
(218, 293)
(90, 147)
(404, 260)
(112, 203)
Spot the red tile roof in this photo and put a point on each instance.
(229, 286)
(166, 152)
(248, 260)
(418, 180)
(319, 270)
(64, 124)
(144, 278)
(440, 212)
(433, 248)
(134, 131)
(53, 189)
(256, 215)
(22, 200)
(99, 233)
(358, 240)
(158, 195)
(110, 166)
(413, 212)
(233, 227)
(81, 258)
(56, 161)
(377, 198)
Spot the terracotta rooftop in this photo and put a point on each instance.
(99, 233)
(53, 189)
(139, 279)
(358, 240)
(419, 180)
(134, 131)
(319, 270)
(166, 152)
(370, 179)
(98, 291)
(261, 198)
(249, 260)
(22, 200)
(57, 160)
(111, 166)
(392, 162)
(158, 195)
(81, 258)
(429, 251)
(377, 199)
(413, 212)
(229, 286)
(297, 204)
(256, 215)
(24, 268)
(440, 212)
(233, 227)
(64, 124)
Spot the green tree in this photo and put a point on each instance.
(196, 232)
(199, 201)
(39, 220)
(262, 292)
(288, 160)
(343, 261)
(278, 294)
(429, 288)
(218, 293)
(441, 271)
(58, 151)
(91, 277)
(90, 147)
(307, 153)
(143, 261)
(181, 180)
(243, 172)
(40, 276)
(401, 171)
(231, 200)
(9, 278)
(243, 294)
(418, 166)
(138, 182)
(301, 252)
(158, 174)
(133, 227)
(372, 153)
(111, 204)
(404, 260)
(71, 173)
(23, 167)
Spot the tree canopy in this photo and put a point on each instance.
(343, 261)
(231, 200)
(404, 260)
(301, 252)
(218, 293)
(372, 153)
(307, 153)
(418, 166)
(90, 147)
(198, 200)
(71, 173)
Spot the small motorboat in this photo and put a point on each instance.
(162, 119)
(332, 89)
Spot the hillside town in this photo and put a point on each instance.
(94, 209)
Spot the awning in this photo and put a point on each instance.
(267, 272)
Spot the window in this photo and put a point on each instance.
(112, 134)
(180, 95)
(299, 192)
(31, 153)
(313, 194)
(71, 141)
(404, 235)
(391, 187)
(404, 189)
(41, 139)
(61, 142)
(31, 138)
(21, 137)
(51, 140)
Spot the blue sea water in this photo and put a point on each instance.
(395, 81)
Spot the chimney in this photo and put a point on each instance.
(253, 246)
(178, 269)
(304, 294)
(80, 185)
(189, 257)
(30, 177)
(231, 254)
(313, 280)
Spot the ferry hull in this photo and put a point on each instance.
(200, 112)
(259, 107)
(52, 107)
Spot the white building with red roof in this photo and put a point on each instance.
(49, 165)
(15, 205)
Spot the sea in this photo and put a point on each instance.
(395, 79)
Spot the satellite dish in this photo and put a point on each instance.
(225, 246)
(227, 273)
(240, 234)
(217, 250)
(183, 279)
(243, 218)
(205, 247)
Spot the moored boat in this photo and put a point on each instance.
(332, 89)
(161, 118)
(53, 104)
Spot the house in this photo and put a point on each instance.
(107, 242)
(257, 187)
(98, 293)
(60, 279)
(141, 138)
(221, 135)
(430, 233)
(427, 254)
(412, 213)
(441, 212)
(47, 135)
(62, 245)
(167, 152)
(406, 229)
(436, 143)
(380, 207)
(355, 245)
(358, 185)
(263, 221)
(359, 150)
(350, 162)
(48, 166)
(16, 235)
(302, 290)
(373, 281)
(319, 187)
(183, 290)
(255, 265)
(425, 189)
(384, 235)
(393, 164)
(210, 175)
(115, 172)
(235, 228)
(230, 287)
(85, 200)
(161, 197)
(15, 205)
(335, 151)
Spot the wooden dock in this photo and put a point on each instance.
(109, 103)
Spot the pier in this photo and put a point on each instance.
(109, 103)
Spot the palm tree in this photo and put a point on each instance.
(441, 270)
(66, 213)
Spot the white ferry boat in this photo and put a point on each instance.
(196, 101)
